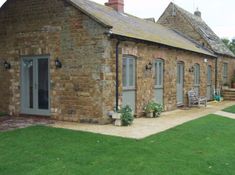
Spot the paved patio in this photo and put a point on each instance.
(144, 127)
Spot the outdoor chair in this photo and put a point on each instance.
(194, 99)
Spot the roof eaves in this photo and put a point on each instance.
(121, 37)
(90, 15)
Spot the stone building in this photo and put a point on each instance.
(193, 26)
(77, 60)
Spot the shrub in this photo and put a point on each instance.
(126, 116)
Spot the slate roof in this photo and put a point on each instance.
(133, 27)
(205, 31)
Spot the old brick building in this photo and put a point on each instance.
(76, 60)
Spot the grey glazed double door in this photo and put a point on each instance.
(35, 94)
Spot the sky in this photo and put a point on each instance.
(218, 14)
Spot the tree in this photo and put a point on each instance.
(229, 44)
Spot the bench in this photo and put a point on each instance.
(194, 99)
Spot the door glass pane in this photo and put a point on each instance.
(209, 75)
(179, 74)
(160, 74)
(225, 73)
(156, 74)
(28, 83)
(131, 72)
(124, 72)
(43, 89)
(196, 74)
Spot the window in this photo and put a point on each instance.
(225, 73)
(128, 73)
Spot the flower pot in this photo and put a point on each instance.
(149, 115)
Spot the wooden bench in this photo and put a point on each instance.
(194, 99)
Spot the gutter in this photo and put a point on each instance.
(117, 73)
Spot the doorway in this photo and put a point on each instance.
(128, 82)
(35, 87)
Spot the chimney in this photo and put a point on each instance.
(117, 5)
(198, 13)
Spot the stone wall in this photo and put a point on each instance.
(145, 53)
(57, 29)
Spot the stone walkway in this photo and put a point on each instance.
(144, 127)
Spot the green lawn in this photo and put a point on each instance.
(230, 109)
(201, 147)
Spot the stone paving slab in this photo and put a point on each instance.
(144, 127)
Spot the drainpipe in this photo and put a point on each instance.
(117, 73)
(216, 72)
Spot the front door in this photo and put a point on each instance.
(128, 81)
(180, 84)
(35, 86)
(209, 84)
(159, 81)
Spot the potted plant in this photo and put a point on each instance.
(233, 82)
(148, 109)
(153, 109)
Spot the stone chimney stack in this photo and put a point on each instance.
(117, 5)
(198, 13)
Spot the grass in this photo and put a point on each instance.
(202, 147)
(230, 109)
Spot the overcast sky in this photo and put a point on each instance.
(218, 14)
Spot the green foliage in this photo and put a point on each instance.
(126, 116)
(229, 44)
(153, 107)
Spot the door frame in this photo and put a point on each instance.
(134, 87)
(183, 73)
(35, 110)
